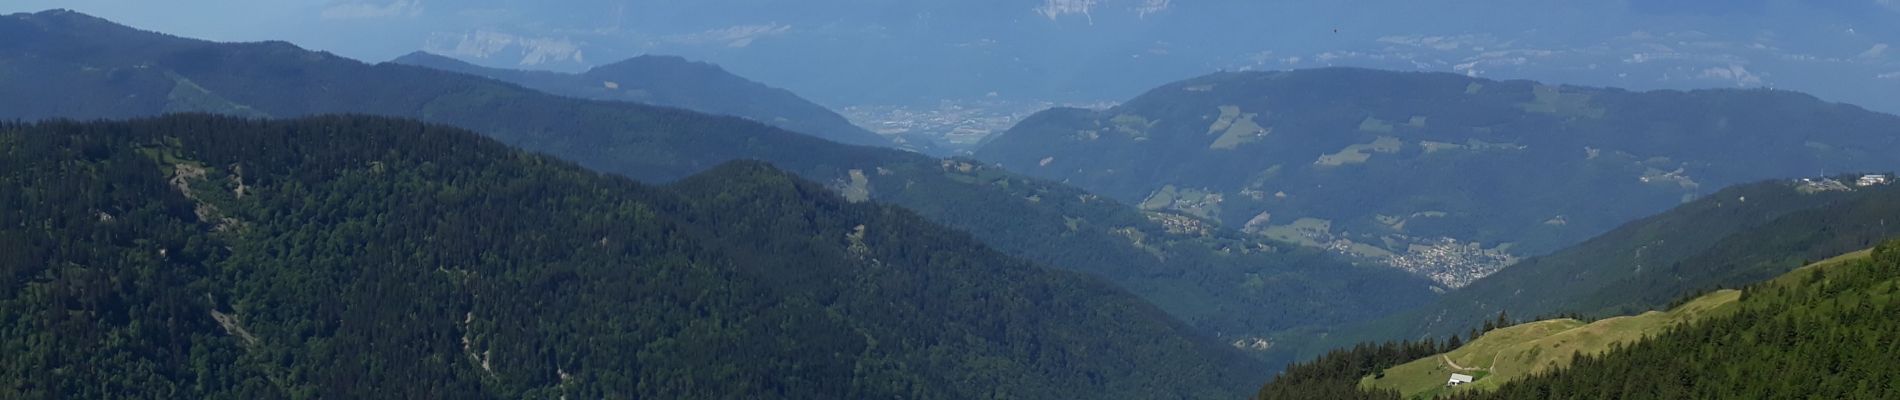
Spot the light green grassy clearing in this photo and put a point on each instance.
(1226, 120)
(187, 96)
(1359, 153)
(1518, 351)
(1135, 126)
(1259, 180)
(1161, 199)
(1375, 125)
(1197, 202)
(1470, 144)
(1423, 376)
(1293, 233)
(1243, 130)
(858, 189)
(1556, 351)
(1476, 144)
(1434, 147)
(1799, 275)
(1189, 195)
(168, 159)
(1366, 250)
(1397, 223)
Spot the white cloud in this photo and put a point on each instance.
(1639, 58)
(1875, 52)
(733, 36)
(1057, 8)
(355, 9)
(1890, 4)
(1889, 75)
(1261, 57)
(1152, 6)
(1733, 72)
(1443, 43)
(486, 44)
(1469, 69)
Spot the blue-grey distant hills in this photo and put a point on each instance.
(852, 52)
(1244, 290)
(676, 82)
(1442, 174)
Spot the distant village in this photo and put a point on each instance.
(956, 125)
(1824, 184)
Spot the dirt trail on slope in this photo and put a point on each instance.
(1454, 365)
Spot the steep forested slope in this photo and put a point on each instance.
(127, 72)
(1446, 175)
(1824, 331)
(676, 82)
(354, 257)
(1237, 287)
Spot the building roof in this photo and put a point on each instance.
(1460, 378)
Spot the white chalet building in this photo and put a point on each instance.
(1458, 379)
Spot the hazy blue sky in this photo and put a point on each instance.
(843, 52)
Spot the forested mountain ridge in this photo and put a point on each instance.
(359, 257)
(1735, 237)
(112, 71)
(1242, 289)
(1823, 331)
(1443, 174)
(676, 82)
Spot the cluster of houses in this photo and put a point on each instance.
(1813, 185)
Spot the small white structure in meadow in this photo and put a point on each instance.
(1875, 179)
(1458, 379)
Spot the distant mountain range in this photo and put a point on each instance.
(676, 82)
(844, 53)
(1245, 290)
(359, 257)
(1066, 50)
(1083, 50)
(1444, 175)
(273, 222)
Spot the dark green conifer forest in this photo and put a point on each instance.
(356, 257)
